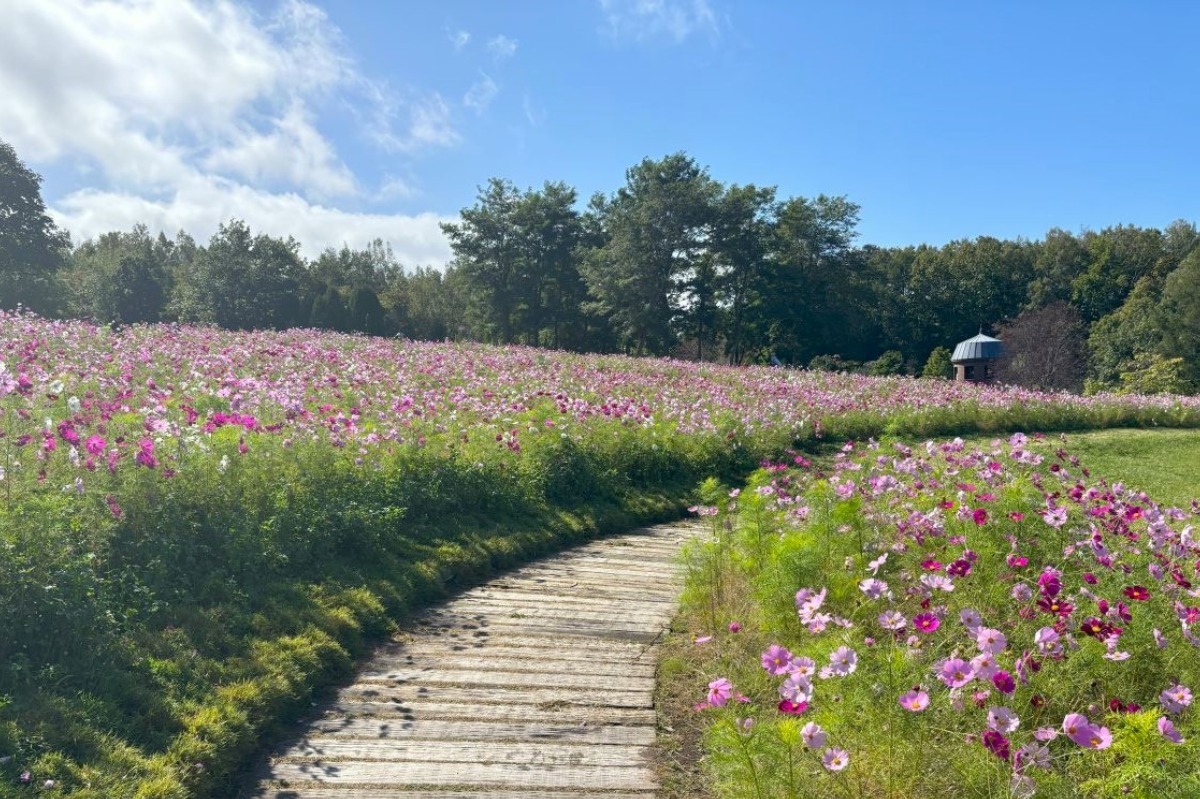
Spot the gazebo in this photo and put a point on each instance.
(974, 358)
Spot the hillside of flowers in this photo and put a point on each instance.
(947, 621)
(199, 527)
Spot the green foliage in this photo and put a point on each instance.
(939, 364)
(31, 245)
(886, 365)
(1152, 373)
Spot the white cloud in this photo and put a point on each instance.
(481, 93)
(458, 39)
(644, 20)
(502, 47)
(535, 115)
(294, 152)
(184, 113)
(199, 204)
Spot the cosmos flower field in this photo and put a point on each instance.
(199, 527)
(947, 620)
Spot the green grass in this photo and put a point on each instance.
(1163, 463)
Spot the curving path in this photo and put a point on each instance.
(536, 685)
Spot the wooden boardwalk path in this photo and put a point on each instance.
(536, 685)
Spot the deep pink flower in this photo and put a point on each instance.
(997, 744)
(95, 445)
(1004, 682)
(926, 622)
(792, 708)
(1137, 592)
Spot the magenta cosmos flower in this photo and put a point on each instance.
(926, 622)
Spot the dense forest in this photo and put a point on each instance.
(672, 263)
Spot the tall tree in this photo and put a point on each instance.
(487, 253)
(804, 307)
(741, 237)
(658, 228)
(32, 248)
(122, 277)
(242, 281)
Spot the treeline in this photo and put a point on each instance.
(672, 263)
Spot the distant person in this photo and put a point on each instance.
(775, 361)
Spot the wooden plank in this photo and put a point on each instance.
(566, 598)
(421, 709)
(534, 775)
(510, 679)
(487, 695)
(450, 642)
(330, 749)
(526, 610)
(348, 792)
(527, 660)
(500, 626)
(471, 729)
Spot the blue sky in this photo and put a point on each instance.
(343, 121)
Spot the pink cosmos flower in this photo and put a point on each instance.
(873, 588)
(914, 701)
(1175, 698)
(792, 708)
(990, 640)
(1048, 641)
(956, 673)
(812, 735)
(1168, 731)
(843, 661)
(1032, 755)
(836, 759)
(735, 627)
(1055, 517)
(797, 689)
(776, 659)
(1002, 720)
(719, 692)
(704, 639)
(892, 620)
(984, 665)
(926, 622)
(971, 620)
(95, 445)
(802, 665)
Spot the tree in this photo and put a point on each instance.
(1179, 316)
(32, 248)
(1044, 349)
(122, 277)
(744, 219)
(939, 364)
(804, 301)
(658, 229)
(241, 281)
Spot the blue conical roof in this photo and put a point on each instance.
(977, 348)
